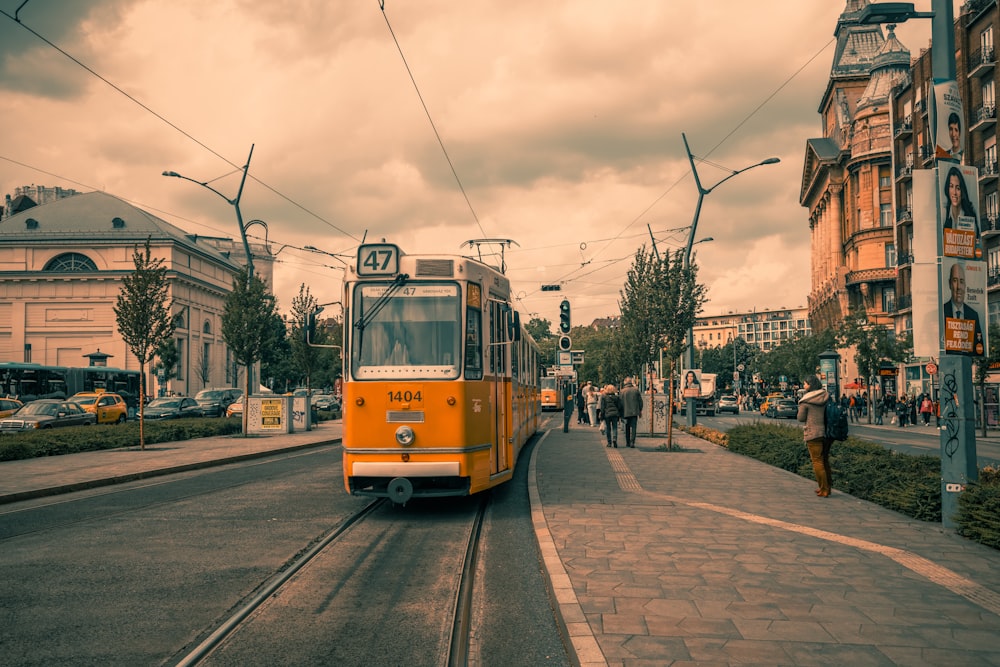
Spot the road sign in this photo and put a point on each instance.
(741, 367)
(931, 368)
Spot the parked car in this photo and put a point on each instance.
(109, 408)
(9, 406)
(214, 402)
(728, 404)
(173, 407)
(235, 408)
(785, 408)
(46, 413)
(328, 403)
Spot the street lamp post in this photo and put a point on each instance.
(958, 433)
(235, 203)
(692, 419)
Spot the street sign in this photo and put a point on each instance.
(931, 368)
(741, 367)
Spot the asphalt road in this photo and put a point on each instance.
(140, 573)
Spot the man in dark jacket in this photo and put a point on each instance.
(631, 399)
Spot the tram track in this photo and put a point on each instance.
(350, 578)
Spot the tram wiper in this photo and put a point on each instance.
(365, 318)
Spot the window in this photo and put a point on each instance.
(890, 255)
(986, 40)
(70, 262)
(885, 215)
(414, 332)
(989, 93)
(473, 338)
(181, 351)
(884, 178)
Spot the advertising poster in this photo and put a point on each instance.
(949, 130)
(964, 311)
(958, 186)
(691, 385)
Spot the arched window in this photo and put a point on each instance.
(207, 327)
(70, 262)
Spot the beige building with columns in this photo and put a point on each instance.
(61, 266)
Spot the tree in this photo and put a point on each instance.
(142, 312)
(873, 343)
(539, 328)
(166, 361)
(248, 312)
(659, 303)
(305, 357)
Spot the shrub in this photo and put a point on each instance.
(979, 509)
(92, 438)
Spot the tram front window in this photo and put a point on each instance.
(413, 333)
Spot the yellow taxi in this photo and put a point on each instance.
(771, 398)
(9, 406)
(109, 408)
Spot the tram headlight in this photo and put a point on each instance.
(405, 436)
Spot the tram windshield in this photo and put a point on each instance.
(414, 333)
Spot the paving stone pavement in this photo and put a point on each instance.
(705, 557)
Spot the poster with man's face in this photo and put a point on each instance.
(964, 296)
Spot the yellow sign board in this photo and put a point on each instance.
(270, 413)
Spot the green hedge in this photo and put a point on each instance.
(69, 440)
(905, 483)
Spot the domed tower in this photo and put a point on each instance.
(847, 175)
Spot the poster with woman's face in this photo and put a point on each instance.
(949, 126)
(691, 384)
(958, 216)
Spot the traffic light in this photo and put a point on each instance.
(310, 328)
(564, 323)
(565, 343)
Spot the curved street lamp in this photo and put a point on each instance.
(692, 419)
(235, 203)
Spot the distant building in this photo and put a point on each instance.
(764, 329)
(26, 196)
(61, 266)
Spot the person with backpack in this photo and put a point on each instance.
(611, 410)
(812, 411)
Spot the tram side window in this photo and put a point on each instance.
(473, 344)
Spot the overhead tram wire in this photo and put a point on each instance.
(172, 125)
(427, 112)
(686, 174)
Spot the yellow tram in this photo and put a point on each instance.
(441, 381)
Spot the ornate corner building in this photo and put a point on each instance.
(847, 183)
(857, 179)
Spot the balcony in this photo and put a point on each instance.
(984, 118)
(904, 259)
(926, 153)
(904, 215)
(899, 304)
(919, 106)
(993, 278)
(904, 173)
(987, 171)
(981, 62)
(871, 275)
(904, 129)
(990, 225)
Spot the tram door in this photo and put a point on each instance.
(501, 376)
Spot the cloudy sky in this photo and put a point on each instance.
(560, 123)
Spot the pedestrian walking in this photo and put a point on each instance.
(581, 405)
(593, 396)
(812, 411)
(631, 399)
(926, 409)
(611, 409)
(901, 411)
